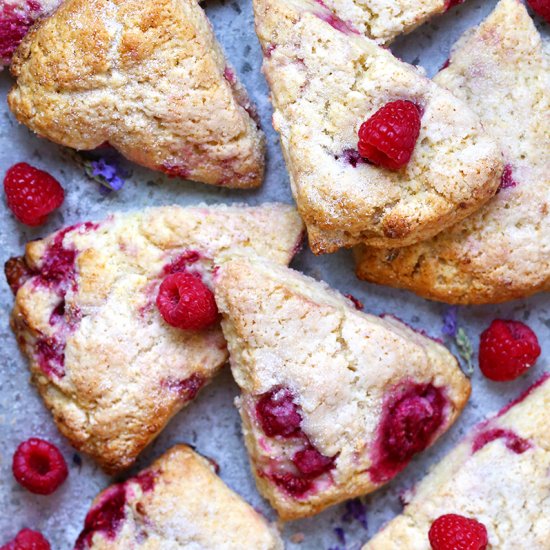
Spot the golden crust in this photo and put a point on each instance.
(182, 504)
(502, 252)
(109, 368)
(146, 76)
(325, 83)
(285, 330)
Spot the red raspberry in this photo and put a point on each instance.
(542, 8)
(507, 349)
(278, 414)
(291, 484)
(388, 137)
(185, 302)
(27, 540)
(311, 463)
(454, 532)
(39, 466)
(31, 193)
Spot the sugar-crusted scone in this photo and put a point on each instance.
(384, 20)
(334, 402)
(107, 365)
(177, 503)
(325, 82)
(16, 17)
(501, 252)
(146, 76)
(498, 475)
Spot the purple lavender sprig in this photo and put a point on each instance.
(108, 173)
(451, 329)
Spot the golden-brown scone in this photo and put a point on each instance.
(384, 20)
(325, 82)
(177, 503)
(146, 76)
(502, 252)
(334, 402)
(498, 476)
(107, 365)
(16, 17)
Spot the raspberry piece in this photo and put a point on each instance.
(311, 463)
(185, 302)
(388, 137)
(31, 193)
(454, 532)
(27, 539)
(39, 466)
(278, 414)
(291, 484)
(411, 423)
(542, 8)
(507, 350)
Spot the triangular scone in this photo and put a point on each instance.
(177, 503)
(501, 252)
(384, 20)
(325, 82)
(146, 76)
(498, 476)
(334, 402)
(16, 17)
(107, 365)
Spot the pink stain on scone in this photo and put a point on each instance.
(507, 180)
(413, 414)
(187, 388)
(327, 16)
(512, 441)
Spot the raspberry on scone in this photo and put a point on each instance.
(334, 402)
(105, 360)
(178, 502)
(149, 78)
(383, 21)
(376, 152)
(16, 18)
(494, 485)
(502, 252)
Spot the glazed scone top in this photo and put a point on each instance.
(384, 20)
(16, 17)
(498, 475)
(502, 252)
(342, 367)
(325, 83)
(178, 503)
(107, 365)
(147, 76)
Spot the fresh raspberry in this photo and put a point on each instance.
(39, 466)
(454, 532)
(542, 8)
(507, 349)
(388, 137)
(278, 414)
(31, 193)
(311, 463)
(27, 539)
(185, 302)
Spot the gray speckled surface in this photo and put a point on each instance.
(211, 423)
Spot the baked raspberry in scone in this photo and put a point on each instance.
(16, 18)
(179, 502)
(326, 82)
(146, 76)
(498, 476)
(501, 252)
(384, 20)
(108, 366)
(334, 402)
